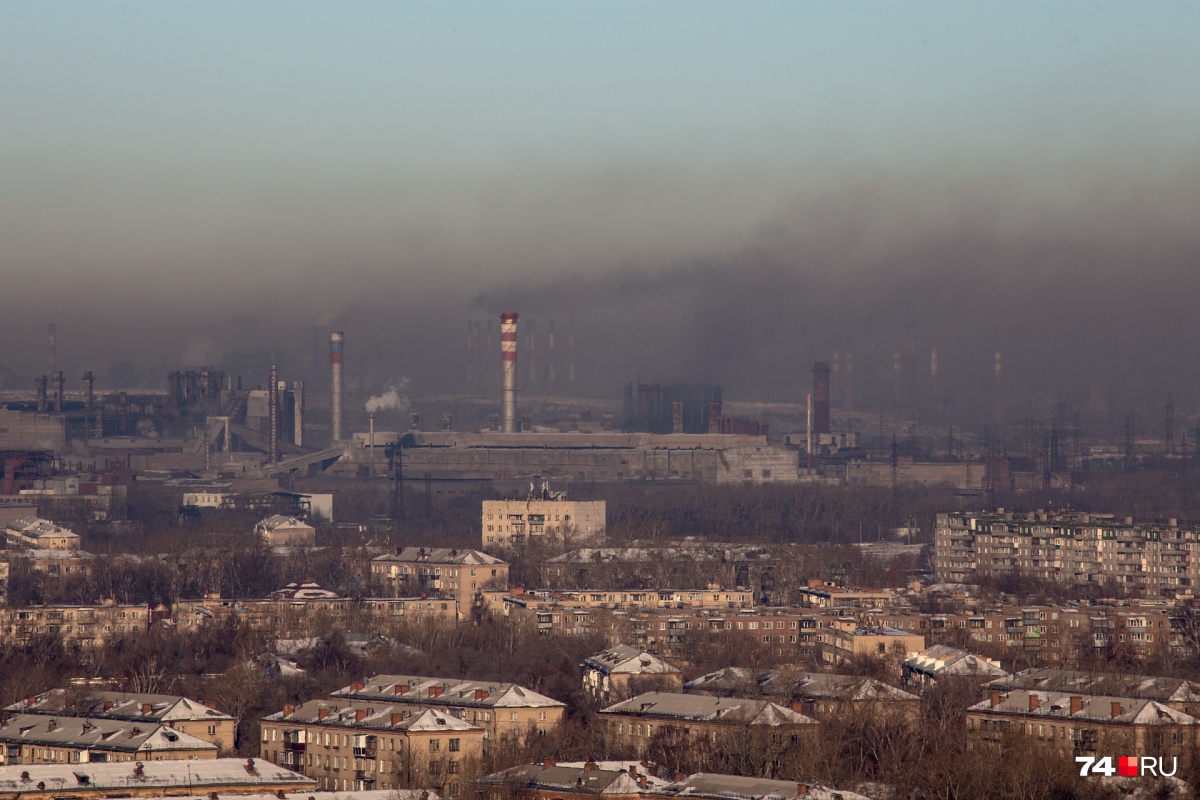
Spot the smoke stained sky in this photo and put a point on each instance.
(715, 191)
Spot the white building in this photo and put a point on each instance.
(544, 515)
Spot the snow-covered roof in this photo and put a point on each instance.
(1096, 708)
(203, 774)
(702, 708)
(281, 521)
(623, 659)
(98, 734)
(1164, 690)
(447, 691)
(440, 555)
(392, 716)
(119, 705)
(943, 661)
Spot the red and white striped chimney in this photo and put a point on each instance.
(508, 362)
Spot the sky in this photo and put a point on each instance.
(714, 190)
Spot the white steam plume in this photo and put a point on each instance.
(394, 398)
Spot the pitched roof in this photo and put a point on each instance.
(789, 684)
(119, 705)
(623, 659)
(736, 787)
(447, 691)
(942, 661)
(603, 777)
(199, 775)
(97, 734)
(440, 555)
(700, 708)
(1096, 708)
(344, 713)
(1164, 690)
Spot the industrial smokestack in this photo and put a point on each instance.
(41, 383)
(933, 372)
(336, 339)
(371, 445)
(997, 390)
(551, 378)
(273, 416)
(820, 397)
(531, 348)
(508, 363)
(57, 382)
(470, 355)
(896, 378)
(571, 355)
(89, 391)
(52, 335)
(848, 385)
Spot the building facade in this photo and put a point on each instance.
(473, 578)
(544, 517)
(1095, 550)
(351, 745)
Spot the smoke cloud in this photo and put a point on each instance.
(394, 398)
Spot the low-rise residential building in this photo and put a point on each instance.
(283, 531)
(628, 780)
(218, 777)
(635, 721)
(1083, 725)
(474, 578)
(543, 516)
(941, 662)
(179, 713)
(814, 694)
(499, 708)
(623, 670)
(35, 533)
(846, 645)
(359, 745)
(300, 615)
(46, 739)
(820, 594)
(85, 625)
(1178, 693)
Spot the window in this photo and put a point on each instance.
(452, 767)
(435, 745)
(453, 746)
(512, 716)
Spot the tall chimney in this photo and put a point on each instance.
(531, 348)
(809, 430)
(335, 382)
(273, 416)
(89, 394)
(470, 355)
(551, 378)
(997, 392)
(571, 355)
(371, 444)
(933, 372)
(508, 362)
(896, 393)
(848, 385)
(820, 397)
(52, 335)
(57, 382)
(41, 383)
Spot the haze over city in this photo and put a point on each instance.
(714, 194)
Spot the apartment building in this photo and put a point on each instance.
(635, 721)
(279, 530)
(1083, 725)
(358, 745)
(473, 578)
(35, 533)
(1150, 559)
(45, 739)
(217, 777)
(542, 516)
(844, 645)
(1178, 693)
(179, 713)
(498, 708)
(813, 694)
(622, 669)
(302, 615)
(942, 662)
(87, 626)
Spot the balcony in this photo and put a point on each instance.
(365, 752)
